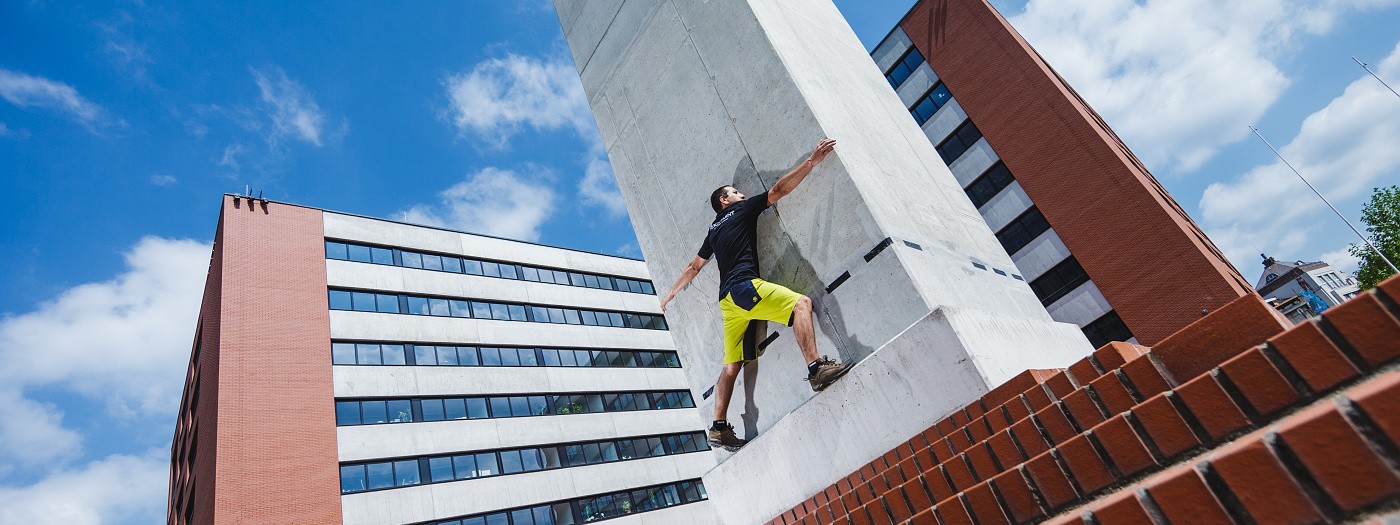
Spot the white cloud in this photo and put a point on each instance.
(500, 96)
(599, 187)
(28, 91)
(291, 107)
(1343, 149)
(1178, 79)
(32, 433)
(163, 180)
(230, 157)
(6, 132)
(492, 202)
(123, 343)
(119, 489)
(1342, 259)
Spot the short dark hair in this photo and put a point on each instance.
(715, 196)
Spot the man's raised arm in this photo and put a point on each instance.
(789, 182)
(683, 281)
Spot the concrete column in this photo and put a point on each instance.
(692, 95)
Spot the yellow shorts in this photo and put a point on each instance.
(767, 302)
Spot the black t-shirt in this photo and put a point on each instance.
(732, 236)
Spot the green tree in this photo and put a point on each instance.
(1382, 218)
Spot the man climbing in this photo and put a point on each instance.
(745, 297)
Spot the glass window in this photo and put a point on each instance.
(632, 320)
(452, 408)
(531, 459)
(542, 516)
(367, 354)
(527, 357)
(412, 259)
(510, 462)
(539, 406)
(364, 301)
(522, 517)
(615, 318)
(556, 315)
(358, 253)
(510, 357)
(432, 410)
(471, 266)
(498, 518)
(499, 312)
(352, 478)
(347, 413)
(481, 310)
(508, 271)
(517, 313)
(686, 401)
(406, 473)
(654, 447)
(381, 475)
(587, 317)
(551, 457)
(476, 407)
(593, 403)
(539, 314)
(647, 288)
(336, 250)
(550, 356)
(585, 358)
(340, 300)
(486, 464)
(432, 262)
(461, 308)
(490, 269)
(609, 451)
(400, 411)
(417, 305)
(466, 356)
(571, 317)
(500, 407)
(438, 307)
(566, 358)
(490, 356)
(447, 355)
(672, 360)
(519, 406)
(563, 513)
(424, 355)
(626, 449)
(381, 256)
(387, 303)
(575, 279)
(342, 354)
(465, 465)
(641, 402)
(393, 354)
(373, 412)
(573, 455)
(529, 274)
(452, 264)
(440, 469)
(606, 283)
(590, 281)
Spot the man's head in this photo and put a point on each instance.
(723, 196)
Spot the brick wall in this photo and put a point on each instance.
(265, 416)
(1297, 426)
(1152, 263)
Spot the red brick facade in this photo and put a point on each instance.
(1233, 419)
(258, 397)
(1152, 263)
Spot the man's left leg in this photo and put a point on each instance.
(736, 323)
(786, 306)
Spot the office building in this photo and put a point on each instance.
(354, 370)
(1100, 241)
(1317, 283)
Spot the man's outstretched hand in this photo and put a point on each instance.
(821, 151)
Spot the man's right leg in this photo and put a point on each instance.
(736, 324)
(724, 390)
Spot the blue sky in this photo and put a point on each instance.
(121, 123)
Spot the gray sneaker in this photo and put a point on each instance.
(827, 372)
(724, 437)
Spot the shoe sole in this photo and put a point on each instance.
(822, 386)
(730, 448)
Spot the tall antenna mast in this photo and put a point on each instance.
(1378, 78)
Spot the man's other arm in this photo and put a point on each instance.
(789, 182)
(683, 281)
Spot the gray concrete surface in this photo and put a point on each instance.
(690, 96)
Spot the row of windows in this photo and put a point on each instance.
(362, 477)
(1106, 328)
(466, 308)
(450, 263)
(408, 354)
(989, 184)
(409, 410)
(1058, 281)
(958, 142)
(1022, 230)
(588, 509)
(904, 67)
(927, 105)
